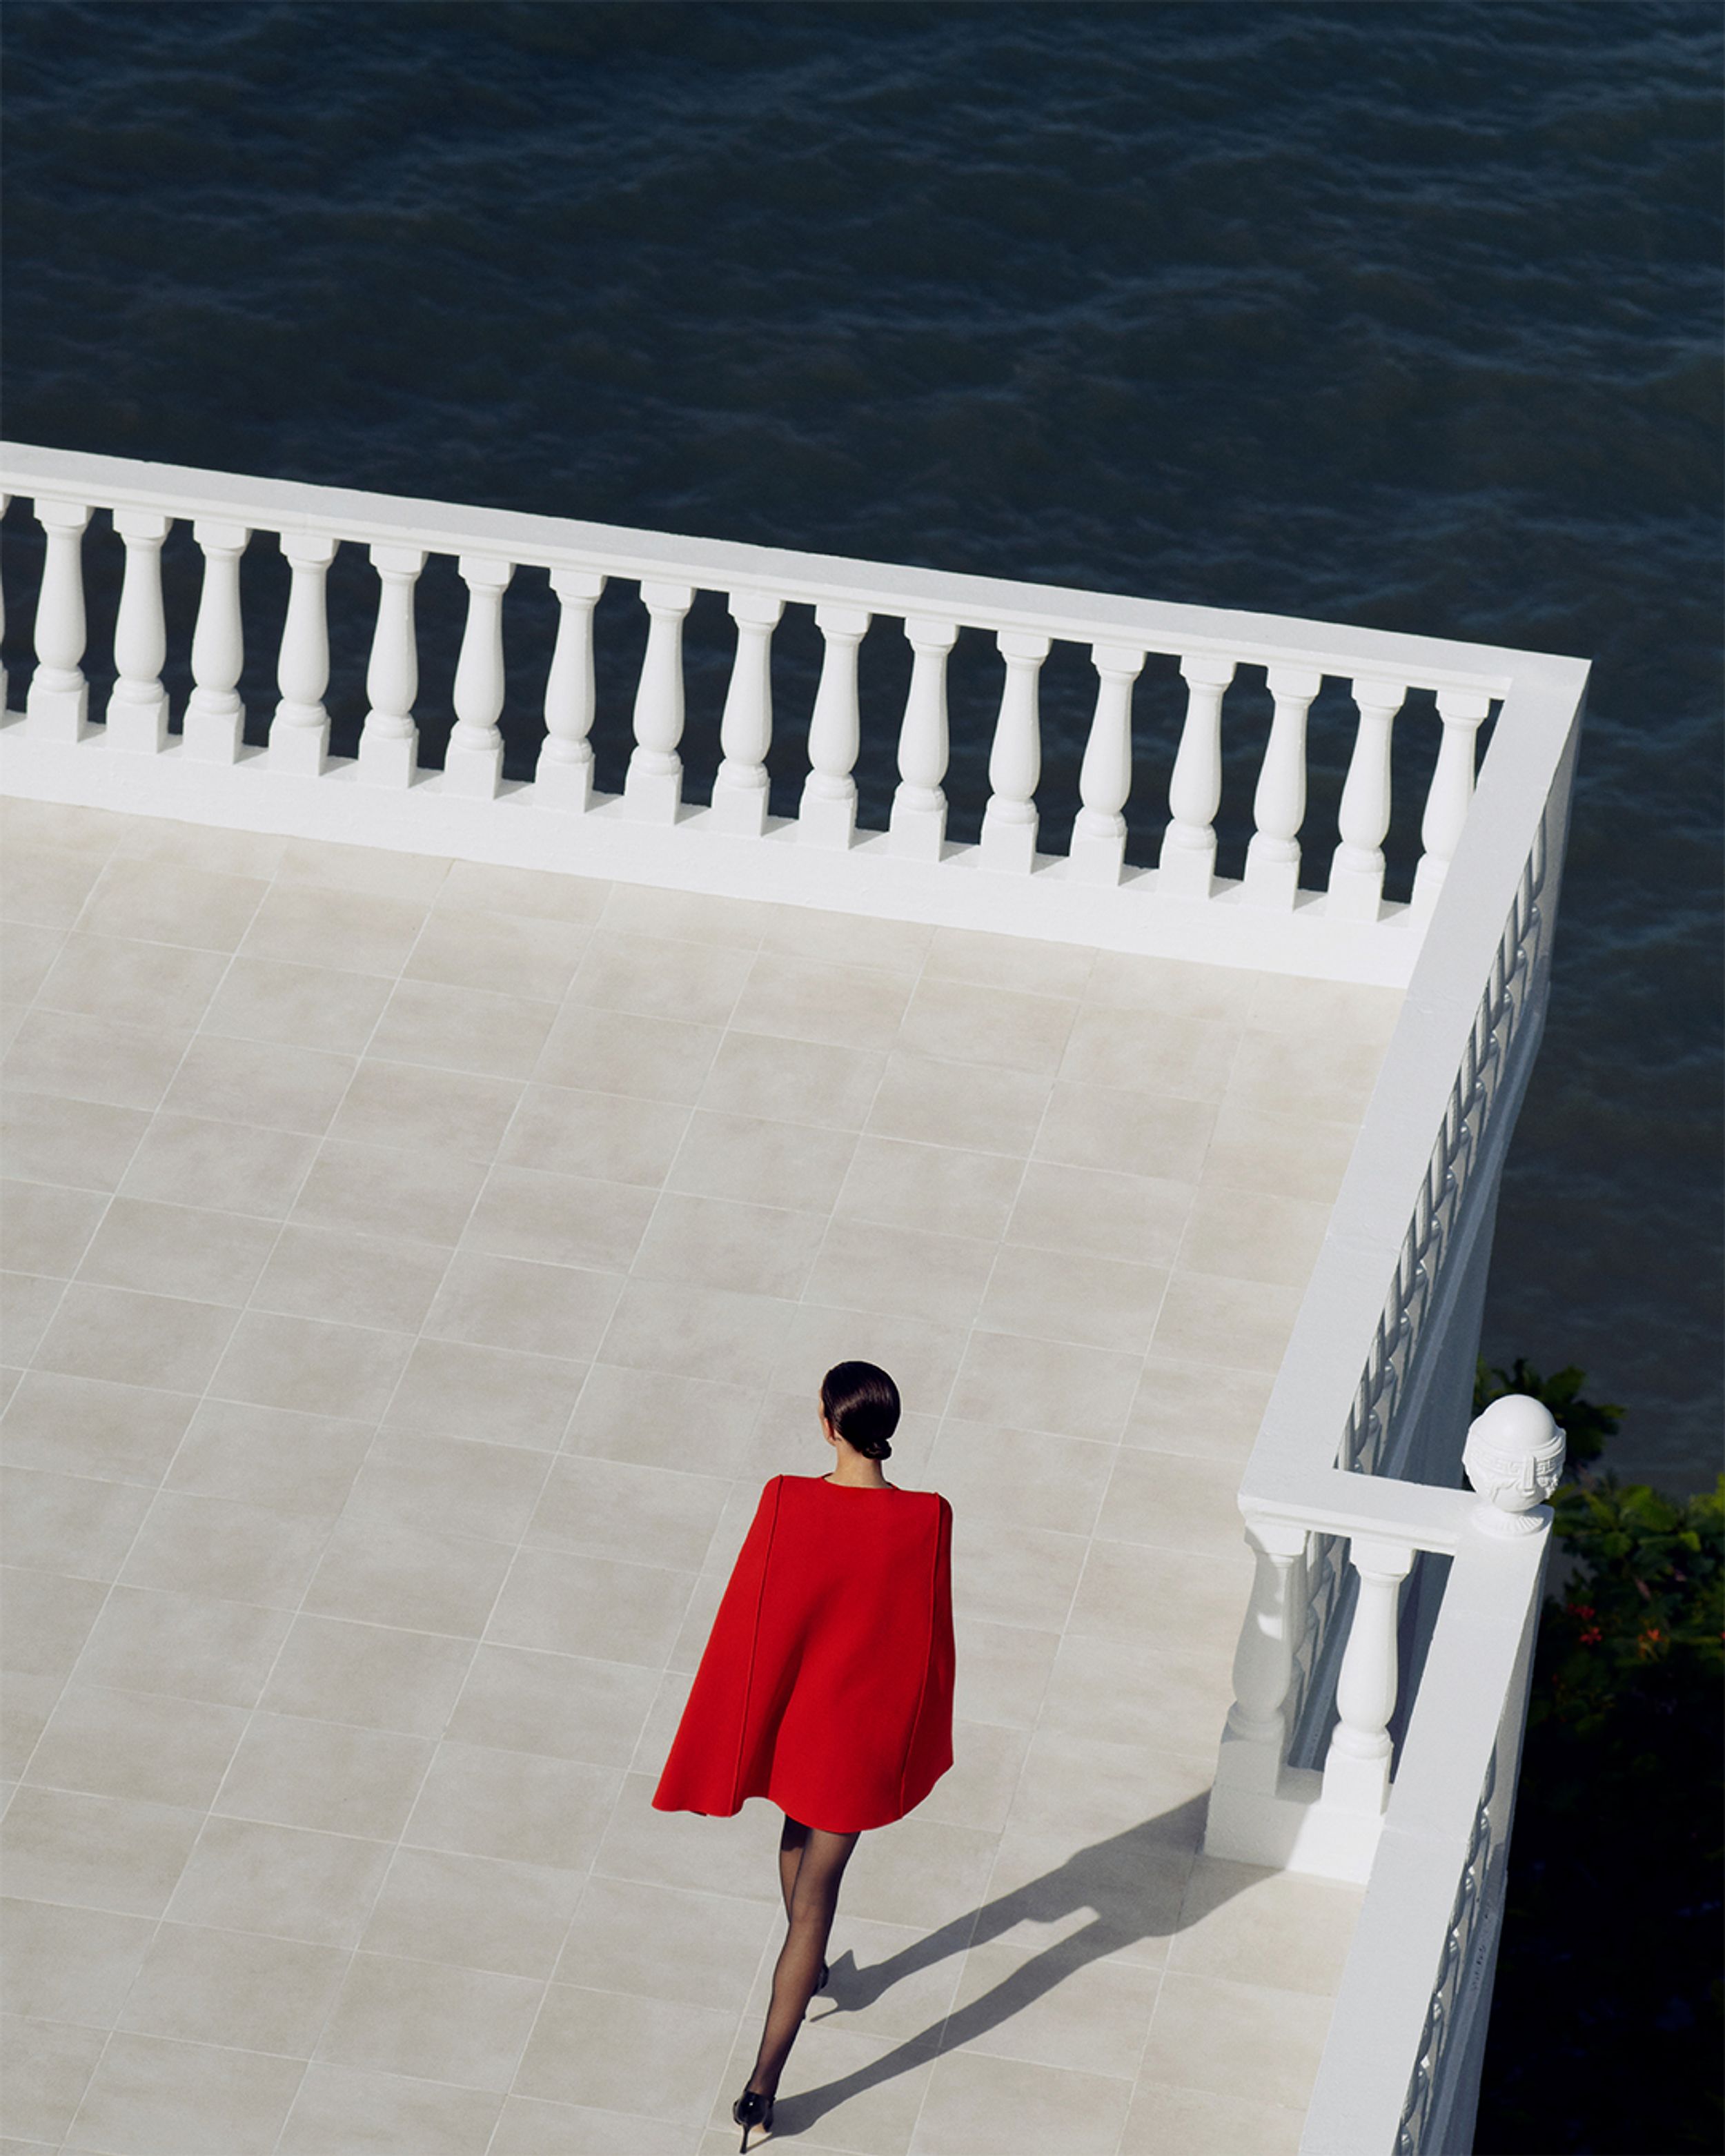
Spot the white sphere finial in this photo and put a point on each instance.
(1513, 1457)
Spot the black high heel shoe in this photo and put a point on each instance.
(752, 2109)
(820, 1982)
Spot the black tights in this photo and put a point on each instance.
(811, 1864)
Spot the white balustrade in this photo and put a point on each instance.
(1008, 837)
(745, 729)
(389, 739)
(214, 725)
(137, 710)
(1104, 778)
(1451, 795)
(5, 685)
(918, 826)
(653, 787)
(1356, 866)
(59, 701)
(300, 731)
(827, 815)
(1256, 1735)
(564, 777)
(1357, 1771)
(1272, 870)
(1187, 865)
(473, 762)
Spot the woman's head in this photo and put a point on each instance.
(859, 1402)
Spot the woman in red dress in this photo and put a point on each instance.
(826, 1686)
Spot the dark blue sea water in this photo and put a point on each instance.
(1405, 315)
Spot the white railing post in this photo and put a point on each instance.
(826, 815)
(473, 762)
(1009, 821)
(653, 789)
(1272, 870)
(215, 718)
(1188, 862)
(1446, 803)
(1255, 1740)
(1356, 866)
(58, 699)
(137, 710)
(562, 777)
(389, 740)
(745, 729)
(918, 825)
(1097, 854)
(300, 731)
(1357, 1767)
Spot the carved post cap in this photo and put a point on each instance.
(1513, 1457)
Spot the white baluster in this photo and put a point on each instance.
(1255, 1742)
(1356, 866)
(652, 788)
(1015, 760)
(745, 729)
(137, 710)
(389, 740)
(5, 685)
(1104, 778)
(59, 701)
(918, 825)
(1451, 795)
(1356, 1769)
(473, 762)
(563, 776)
(827, 814)
(1189, 845)
(300, 731)
(215, 717)
(1272, 870)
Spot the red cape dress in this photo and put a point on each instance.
(827, 1682)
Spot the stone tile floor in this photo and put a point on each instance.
(416, 1268)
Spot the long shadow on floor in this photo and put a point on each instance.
(1132, 1884)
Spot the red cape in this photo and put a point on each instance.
(827, 1681)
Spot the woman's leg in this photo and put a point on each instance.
(791, 1845)
(814, 1899)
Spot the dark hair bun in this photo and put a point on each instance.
(862, 1403)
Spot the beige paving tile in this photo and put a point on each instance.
(845, 939)
(1165, 2121)
(47, 885)
(531, 2127)
(390, 1190)
(178, 1250)
(978, 1789)
(903, 1272)
(961, 1024)
(160, 2098)
(376, 1677)
(1286, 1156)
(113, 1334)
(922, 1357)
(451, 1388)
(374, 870)
(738, 1857)
(532, 894)
(461, 1114)
(921, 1871)
(448, 1484)
(326, 1776)
(1250, 1235)
(1122, 1133)
(330, 1273)
(667, 1943)
(853, 1007)
(1021, 963)
(1244, 2041)
(609, 1610)
(1150, 1052)
(1240, 1325)
(657, 977)
(1055, 2008)
(842, 2090)
(26, 1702)
(1014, 1478)
(312, 1367)
(791, 1081)
(67, 1523)
(225, 1550)
(1173, 1503)
(1074, 1391)
(568, 1707)
(70, 1965)
(372, 2114)
(1089, 1212)
(610, 1051)
(1284, 1003)
(165, 902)
(603, 1506)
(193, 1647)
(51, 1138)
(653, 1419)
(607, 1136)
(47, 2066)
(1172, 1698)
(1003, 1671)
(518, 1304)
(136, 983)
(610, 2051)
(234, 1988)
(380, 1572)
(250, 1081)
(474, 1913)
(45, 1620)
(27, 954)
(692, 916)
(1117, 1898)
(1324, 1078)
(716, 1242)
(518, 1806)
(746, 1158)
(137, 1745)
(423, 2018)
(1056, 1294)
(1251, 1925)
(91, 1060)
(269, 1456)
(941, 1188)
(96, 1852)
(1123, 980)
(1186, 1407)
(1096, 1791)
(714, 1333)
(1012, 1575)
(508, 954)
(560, 1219)
(247, 1875)
(978, 2106)
(199, 845)
(230, 1168)
(1130, 1593)
(926, 1101)
(297, 1006)
(890, 1981)
(354, 931)
(94, 831)
(28, 1303)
